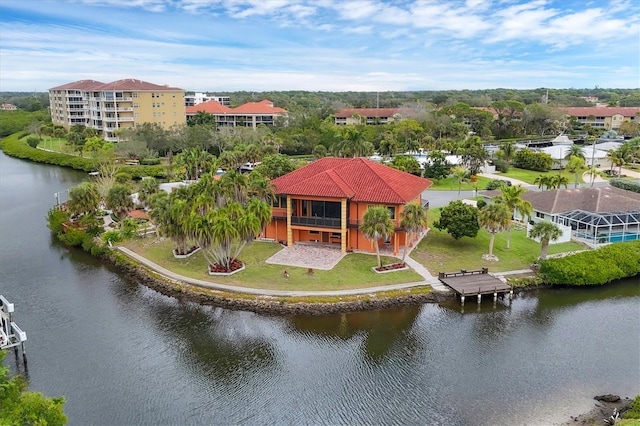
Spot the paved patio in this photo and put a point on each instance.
(308, 256)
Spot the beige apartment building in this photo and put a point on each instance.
(607, 118)
(111, 107)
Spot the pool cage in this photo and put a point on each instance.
(602, 228)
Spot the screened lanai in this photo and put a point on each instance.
(602, 228)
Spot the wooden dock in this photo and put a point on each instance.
(474, 283)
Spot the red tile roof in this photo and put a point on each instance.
(367, 112)
(79, 85)
(138, 214)
(262, 107)
(359, 179)
(601, 111)
(210, 107)
(137, 85)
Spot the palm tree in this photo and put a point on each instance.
(353, 142)
(507, 151)
(148, 187)
(512, 198)
(494, 218)
(543, 181)
(376, 225)
(575, 165)
(556, 181)
(620, 157)
(119, 200)
(546, 231)
(414, 220)
(575, 151)
(83, 199)
(459, 175)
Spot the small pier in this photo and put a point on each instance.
(475, 283)
(11, 336)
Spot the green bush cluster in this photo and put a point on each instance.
(530, 160)
(629, 185)
(609, 263)
(76, 237)
(150, 161)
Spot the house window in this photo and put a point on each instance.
(336, 235)
(392, 211)
(540, 215)
(314, 232)
(280, 202)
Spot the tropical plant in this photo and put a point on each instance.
(459, 220)
(576, 165)
(545, 231)
(376, 225)
(83, 198)
(414, 221)
(574, 151)
(556, 181)
(18, 406)
(494, 218)
(543, 181)
(507, 151)
(512, 197)
(148, 187)
(459, 175)
(119, 200)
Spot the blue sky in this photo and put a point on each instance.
(332, 45)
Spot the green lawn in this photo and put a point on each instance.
(439, 252)
(353, 271)
(54, 144)
(449, 184)
(530, 176)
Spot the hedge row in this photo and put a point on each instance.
(601, 266)
(629, 185)
(15, 147)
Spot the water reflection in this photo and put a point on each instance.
(382, 331)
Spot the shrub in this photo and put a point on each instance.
(634, 411)
(530, 160)
(497, 183)
(481, 203)
(55, 219)
(629, 185)
(609, 263)
(149, 161)
(113, 236)
(501, 165)
(33, 141)
(123, 177)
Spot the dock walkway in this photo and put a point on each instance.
(474, 283)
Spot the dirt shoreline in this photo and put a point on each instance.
(603, 409)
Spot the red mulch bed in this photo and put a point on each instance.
(391, 267)
(235, 265)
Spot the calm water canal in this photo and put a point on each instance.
(123, 354)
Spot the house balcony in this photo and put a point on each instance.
(324, 222)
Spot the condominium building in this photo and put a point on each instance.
(198, 98)
(608, 118)
(250, 114)
(112, 107)
(368, 116)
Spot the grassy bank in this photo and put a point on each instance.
(530, 176)
(353, 271)
(15, 146)
(439, 252)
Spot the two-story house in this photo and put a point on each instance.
(325, 202)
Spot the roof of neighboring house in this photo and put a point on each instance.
(367, 112)
(558, 152)
(125, 84)
(79, 85)
(263, 107)
(210, 107)
(133, 84)
(595, 200)
(358, 179)
(601, 111)
(138, 214)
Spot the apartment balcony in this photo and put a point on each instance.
(124, 109)
(117, 119)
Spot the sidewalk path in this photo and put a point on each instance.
(262, 292)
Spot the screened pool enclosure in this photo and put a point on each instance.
(602, 228)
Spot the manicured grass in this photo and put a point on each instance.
(530, 176)
(353, 271)
(439, 252)
(449, 184)
(54, 144)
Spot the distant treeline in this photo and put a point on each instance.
(299, 100)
